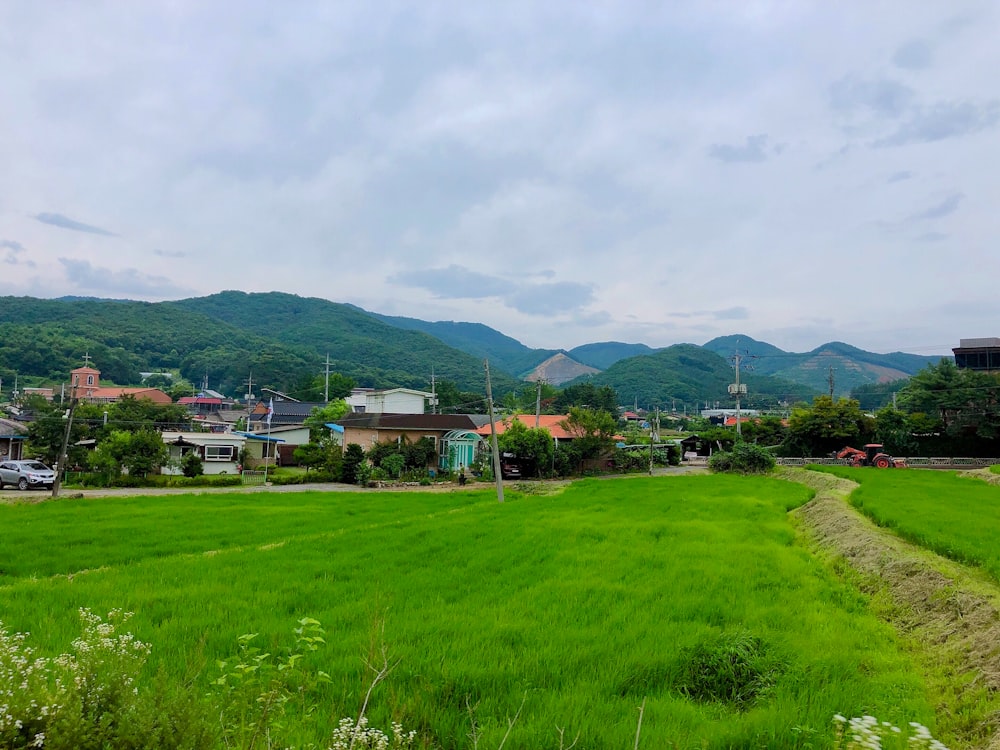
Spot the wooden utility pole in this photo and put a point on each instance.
(497, 474)
(538, 403)
(64, 451)
(831, 382)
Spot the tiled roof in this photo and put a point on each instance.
(548, 422)
(410, 421)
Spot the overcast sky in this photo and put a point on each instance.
(565, 172)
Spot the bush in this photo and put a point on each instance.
(734, 668)
(191, 465)
(745, 458)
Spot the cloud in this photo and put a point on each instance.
(58, 220)
(14, 247)
(754, 150)
(731, 313)
(170, 253)
(914, 55)
(454, 282)
(947, 206)
(550, 299)
(14, 250)
(900, 176)
(883, 97)
(943, 120)
(932, 237)
(127, 281)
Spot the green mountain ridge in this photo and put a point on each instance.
(284, 339)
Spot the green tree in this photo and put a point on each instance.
(827, 426)
(322, 416)
(533, 447)
(587, 396)
(593, 431)
(894, 430)
(48, 430)
(192, 465)
(354, 464)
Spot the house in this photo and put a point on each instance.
(455, 435)
(12, 437)
(286, 412)
(978, 354)
(220, 452)
(551, 423)
(390, 401)
(85, 385)
(47, 393)
(276, 444)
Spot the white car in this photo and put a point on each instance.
(26, 474)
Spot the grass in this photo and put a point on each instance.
(950, 514)
(580, 605)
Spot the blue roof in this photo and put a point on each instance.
(334, 427)
(257, 436)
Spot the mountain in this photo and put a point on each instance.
(479, 340)
(279, 340)
(851, 367)
(690, 375)
(605, 354)
(559, 369)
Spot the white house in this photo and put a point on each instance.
(219, 451)
(391, 401)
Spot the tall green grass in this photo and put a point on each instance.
(578, 605)
(955, 516)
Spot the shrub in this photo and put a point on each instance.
(734, 668)
(745, 458)
(191, 465)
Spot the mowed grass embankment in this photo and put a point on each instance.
(951, 514)
(580, 605)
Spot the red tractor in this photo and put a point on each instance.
(872, 455)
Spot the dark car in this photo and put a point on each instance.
(26, 475)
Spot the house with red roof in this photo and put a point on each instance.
(85, 383)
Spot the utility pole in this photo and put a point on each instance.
(538, 403)
(433, 393)
(654, 436)
(249, 396)
(737, 389)
(493, 434)
(326, 380)
(64, 451)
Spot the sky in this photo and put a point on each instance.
(564, 172)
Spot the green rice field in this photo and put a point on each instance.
(573, 608)
(953, 515)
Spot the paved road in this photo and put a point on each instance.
(8, 495)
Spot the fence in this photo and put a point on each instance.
(253, 477)
(937, 462)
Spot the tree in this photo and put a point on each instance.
(354, 464)
(588, 396)
(48, 430)
(321, 416)
(593, 430)
(533, 447)
(141, 453)
(894, 430)
(827, 426)
(192, 465)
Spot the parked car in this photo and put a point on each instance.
(26, 474)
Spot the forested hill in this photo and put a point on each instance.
(691, 375)
(503, 352)
(849, 366)
(281, 338)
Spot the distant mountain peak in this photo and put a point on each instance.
(559, 369)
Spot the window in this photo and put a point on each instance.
(90, 380)
(219, 452)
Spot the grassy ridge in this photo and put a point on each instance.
(581, 604)
(955, 516)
